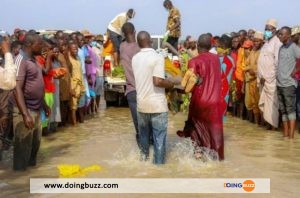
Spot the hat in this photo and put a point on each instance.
(272, 22)
(247, 44)
(295, 30)
(86, 33)
(259, 35)
(99, 37)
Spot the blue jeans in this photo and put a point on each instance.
(131, 98)
(157, 124)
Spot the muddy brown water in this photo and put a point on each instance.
(108, 140)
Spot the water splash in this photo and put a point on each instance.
(179, 158)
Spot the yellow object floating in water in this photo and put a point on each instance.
(74, 170)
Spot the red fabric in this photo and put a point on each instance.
(225, 84)
(234, 55)
(204, 125)
(239, 84)
(48, 79)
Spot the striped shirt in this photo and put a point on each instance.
(288, 55)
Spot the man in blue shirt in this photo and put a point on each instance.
(286, 84)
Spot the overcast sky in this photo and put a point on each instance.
(198, 16)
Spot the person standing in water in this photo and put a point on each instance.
(149, 73)
(128, 49)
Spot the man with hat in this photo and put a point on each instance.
(86, 33)
(251, 89)
(91, 67)
(267, 67)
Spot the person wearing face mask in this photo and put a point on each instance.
(267, 67)
(174, 24)
(115, 32)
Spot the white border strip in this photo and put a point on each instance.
(221, 185)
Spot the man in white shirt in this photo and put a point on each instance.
(149, 73)
(267, 66)
(8, 71)
(114, 31)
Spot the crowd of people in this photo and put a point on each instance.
(49, 82)
(259, 74)
(56, 81)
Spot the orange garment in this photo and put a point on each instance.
(240, 65)
(108, 49)
(251, 89)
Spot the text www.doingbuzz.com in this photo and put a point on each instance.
(81, 186)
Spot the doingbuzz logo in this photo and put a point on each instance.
(247, 185)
